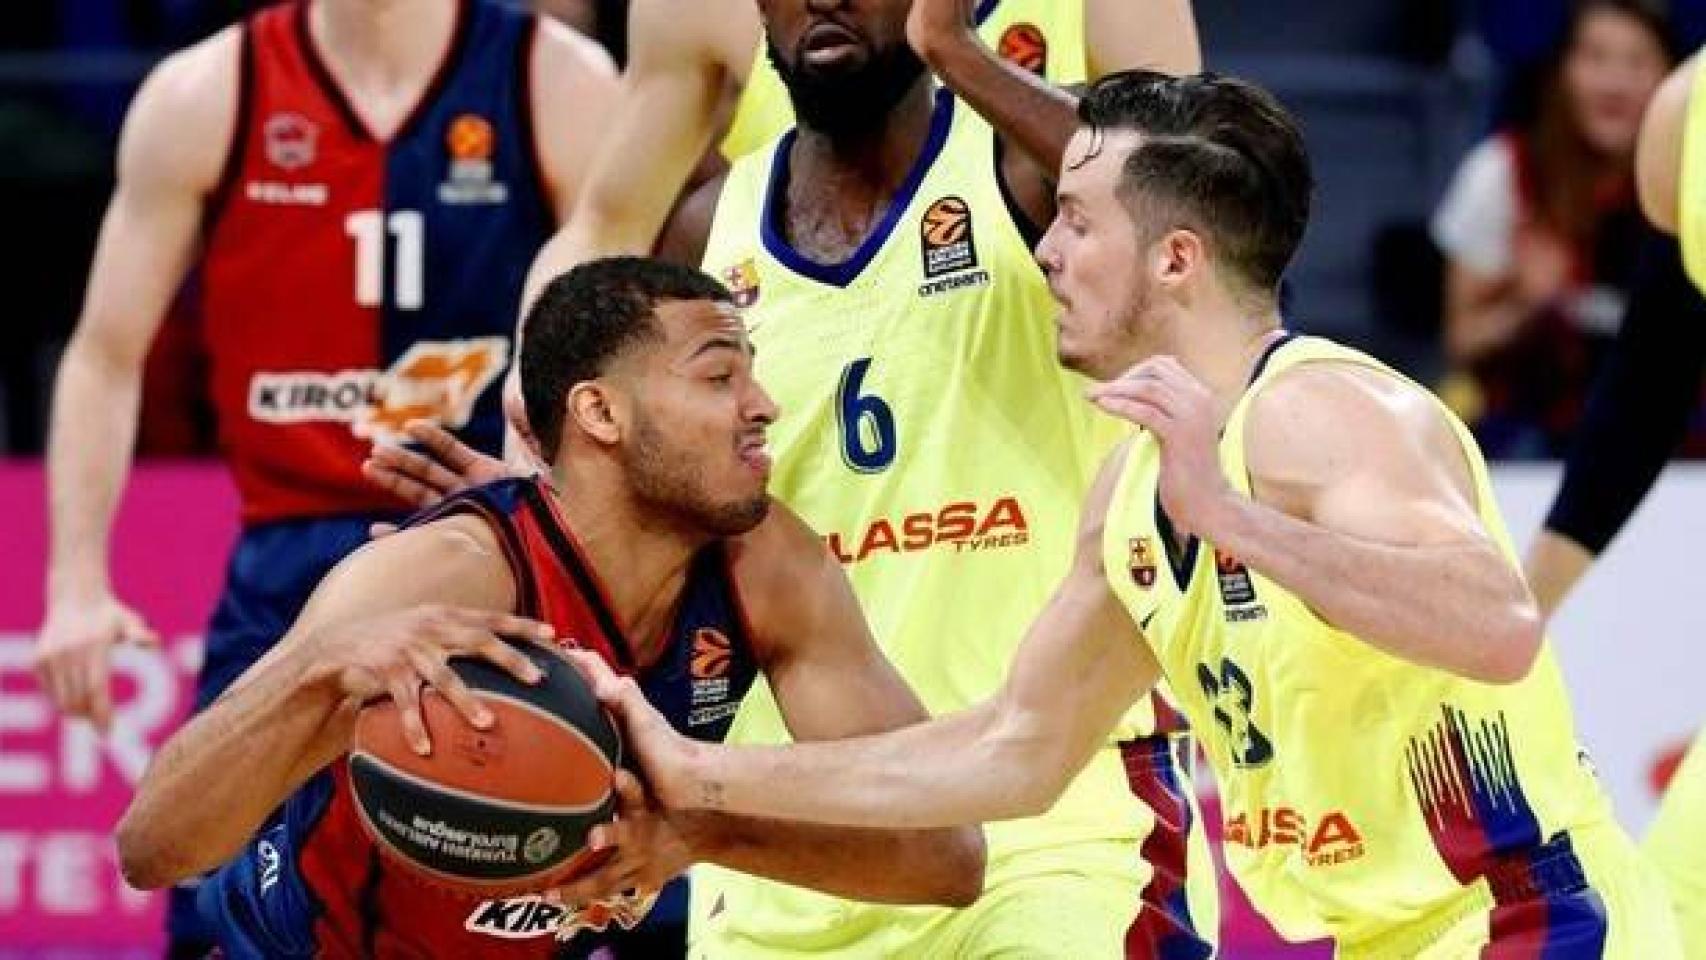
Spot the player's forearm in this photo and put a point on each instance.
(1036, 116)
(218, 778)
(942, 867)
(93, 435)
(968, 767)
(1459, 607)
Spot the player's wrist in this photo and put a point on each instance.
(80, 584)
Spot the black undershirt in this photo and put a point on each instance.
(1641, 404)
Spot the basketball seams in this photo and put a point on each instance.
(518, 806)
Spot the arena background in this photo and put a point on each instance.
(1392, 94)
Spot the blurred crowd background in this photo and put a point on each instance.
(1476, 222)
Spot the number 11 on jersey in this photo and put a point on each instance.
(368, 229)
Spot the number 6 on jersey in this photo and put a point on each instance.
(867, 424)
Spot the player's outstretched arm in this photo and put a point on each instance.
(170, 159)
(662, 123)
(365, 634)
(1148, 34)
(1028, 111)
(1363, 506)
(1080, 667)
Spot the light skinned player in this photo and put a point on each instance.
(1304, 544)
(1670, 173)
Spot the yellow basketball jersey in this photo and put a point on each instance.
(929, 433)
(1044, 36)
(1362, 794)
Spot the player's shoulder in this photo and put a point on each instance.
(1658, 153)
(564, 56)
(180, 123)
(781, 548)
(1322, 417)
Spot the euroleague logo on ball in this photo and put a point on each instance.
(540, 845)
(1024, 45)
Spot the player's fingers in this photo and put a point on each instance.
(606, 685)
(138, 632)
(97, 684)
(1138, 412)
(58, 678)
(631, 800)
(449, 451)
(377, 531)
(609, 880)
(405, 687)
(435, 670)
(409, 475)
(507, 658)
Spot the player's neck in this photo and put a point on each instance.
(640, 558)
(1223, 351)
(877, 161)
(383, 53)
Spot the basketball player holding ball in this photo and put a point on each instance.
(668, 559)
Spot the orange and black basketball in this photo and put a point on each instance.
(495, 812)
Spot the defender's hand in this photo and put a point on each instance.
(1179, 410)
(73, 653)
(664, 755)
(448, 466)
(650, 849)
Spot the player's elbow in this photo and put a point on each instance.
(1511, 645)
(964, 857)
(146, 856)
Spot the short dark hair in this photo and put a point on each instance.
(1222, 154)
(590, 316)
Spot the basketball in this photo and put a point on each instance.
(495, 812)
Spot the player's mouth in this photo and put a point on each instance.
(828, 44)
(755, 454)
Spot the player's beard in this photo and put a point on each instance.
(672, 484)
(842, 104)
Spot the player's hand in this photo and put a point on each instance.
(73, 653)
(933, 22)
(665, 756)
(398, 653)
(448, 466)
(1161, 395)
(650, 849)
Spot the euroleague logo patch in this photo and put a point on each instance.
(709, 660)
(470, 143)
(1024, 46)
(949, 247)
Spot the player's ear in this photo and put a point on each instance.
(591, 410)
(1179, 254)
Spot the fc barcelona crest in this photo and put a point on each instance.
(1142, 561)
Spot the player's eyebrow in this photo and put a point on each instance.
(722, 343)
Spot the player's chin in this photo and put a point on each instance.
(741, 516)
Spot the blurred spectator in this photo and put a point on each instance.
(1538, 230)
